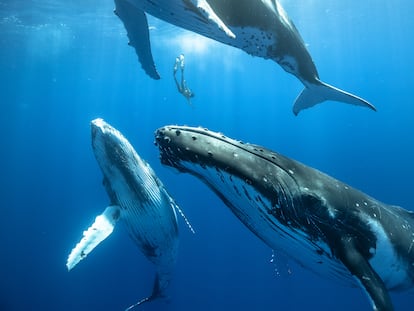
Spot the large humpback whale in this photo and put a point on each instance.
(315, 219)
(259, 27)
(139, 200)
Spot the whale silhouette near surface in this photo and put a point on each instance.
(259, 27)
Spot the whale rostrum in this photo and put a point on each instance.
(259, 27)
(317, 220)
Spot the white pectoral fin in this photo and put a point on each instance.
(205, 9)
(102, 227)
(314, 94)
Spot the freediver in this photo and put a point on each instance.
(182, 87)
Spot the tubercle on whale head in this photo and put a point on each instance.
(200, 145)
(185, 148)
(189, 144)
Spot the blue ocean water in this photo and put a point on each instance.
(62, 65)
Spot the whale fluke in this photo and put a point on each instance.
(157, 292)
(314, 94)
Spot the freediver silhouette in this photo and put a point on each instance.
(182, 86)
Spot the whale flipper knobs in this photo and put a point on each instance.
(102, 227)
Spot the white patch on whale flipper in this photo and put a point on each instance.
(205, 9)
(102, 227)
(385, 260)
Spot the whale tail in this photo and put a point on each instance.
(316, 93)
(161, 282)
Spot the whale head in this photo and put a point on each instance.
(112, 150)
(199, 150)
(126, 174)
(259, 186)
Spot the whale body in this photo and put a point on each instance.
(259, 27)
(139, 200)
(320, 222)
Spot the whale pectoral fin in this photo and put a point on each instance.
(102, 227)
(205, 10)
(314, 94)
(180, 211)
(136, 25)
(359, 267)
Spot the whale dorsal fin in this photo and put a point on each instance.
(157, 292)
(136, 25)
(101, 228)
(205, 10)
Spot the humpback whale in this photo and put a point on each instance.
(320, 222)
(259, 27)
(139, 200)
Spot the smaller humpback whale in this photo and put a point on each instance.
(139, 200)
(320, 222)
(258, 27)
